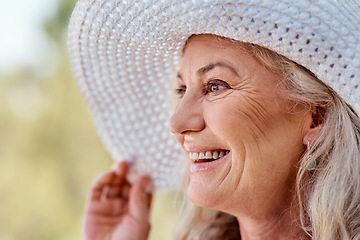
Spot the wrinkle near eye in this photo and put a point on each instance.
(243, 84)
(219, 97)
(252, 108)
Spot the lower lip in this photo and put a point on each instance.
(206, 166)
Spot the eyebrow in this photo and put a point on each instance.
(211, 66)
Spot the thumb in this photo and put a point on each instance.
(140, 199)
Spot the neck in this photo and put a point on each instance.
(283, 226)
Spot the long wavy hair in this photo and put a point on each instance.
(329, 193)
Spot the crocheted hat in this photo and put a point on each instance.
(124, 54)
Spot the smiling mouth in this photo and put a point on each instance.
(208, 156)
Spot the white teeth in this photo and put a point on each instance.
(208, 155)
(195, 155)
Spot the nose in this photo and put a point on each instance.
(188, 115)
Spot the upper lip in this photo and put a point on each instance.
(192, 147)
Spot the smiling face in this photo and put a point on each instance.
(232, 114)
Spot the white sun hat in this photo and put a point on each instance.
(125, 53)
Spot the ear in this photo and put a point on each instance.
(312, 135)
(313, 125)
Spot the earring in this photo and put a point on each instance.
(309, 142)
(312, 165)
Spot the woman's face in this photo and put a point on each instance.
(232, 105)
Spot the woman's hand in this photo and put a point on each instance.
(117, 210)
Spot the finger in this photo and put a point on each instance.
(116, 191)
(112, 207)
(98, 186)
(120, 166)
(140, 199)
(113, 179)
(120, 169)
(120, 185)
(104, 193)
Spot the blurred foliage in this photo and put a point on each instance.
(56, 26)
(50, 153)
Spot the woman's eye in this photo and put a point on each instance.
(214, 86)
(180, 91)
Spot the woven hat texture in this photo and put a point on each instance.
(125, 53)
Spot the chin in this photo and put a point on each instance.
(201, 195)
(208, 182)
(208, 194)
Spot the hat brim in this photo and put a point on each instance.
(125, 53)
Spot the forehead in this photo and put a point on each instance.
(212, 41)
(207, 50)
(202, 50)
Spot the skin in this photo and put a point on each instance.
(117, 210)
(228, 101)
(238, 106)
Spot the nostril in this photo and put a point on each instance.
(185, 132)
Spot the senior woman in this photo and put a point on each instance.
(268, 96)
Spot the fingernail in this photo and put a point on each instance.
(147, 186)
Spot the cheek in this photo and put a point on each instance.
(241, 118)
(256, 130)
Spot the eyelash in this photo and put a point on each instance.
(180, 91)
(207, 87)
(216, 82)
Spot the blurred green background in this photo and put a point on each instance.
(49, 150)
